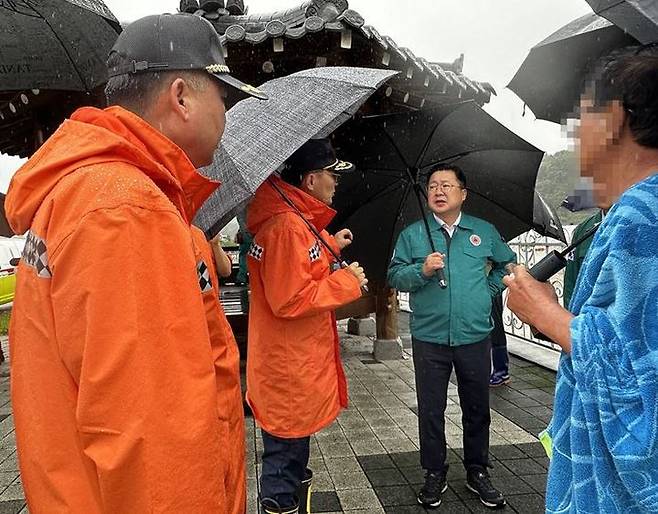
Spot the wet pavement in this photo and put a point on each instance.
(368, 461)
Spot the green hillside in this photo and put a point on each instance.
(556, 179)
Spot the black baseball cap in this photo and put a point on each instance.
(314, 155)
(175, 42)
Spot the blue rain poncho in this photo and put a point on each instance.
(605, 424)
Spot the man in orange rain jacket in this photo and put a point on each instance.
(295, 380)
(113, 383)
(227, 370)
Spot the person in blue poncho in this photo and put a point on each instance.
(605, 424)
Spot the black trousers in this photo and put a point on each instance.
(499, 356)
(284, 463)
(434, 363)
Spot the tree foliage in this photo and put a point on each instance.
(556, 179)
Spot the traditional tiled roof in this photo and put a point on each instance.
(262, 47)
(25, 113)
(326, 33)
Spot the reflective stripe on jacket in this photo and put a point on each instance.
(113, 384)
(295, 379)
(227, 372)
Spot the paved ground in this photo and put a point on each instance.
(368, 460)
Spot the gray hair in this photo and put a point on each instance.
(137, 92)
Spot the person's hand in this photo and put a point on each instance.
(216, 241)
(343, 238)
(222, 260)
(433, 262)
(528, 298)
(356, 270)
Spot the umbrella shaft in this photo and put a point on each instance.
(316, 233)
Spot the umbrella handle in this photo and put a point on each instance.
(548, 266)
(441, 276)
(364, 288)
(555, 261)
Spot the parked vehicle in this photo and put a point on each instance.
(10, 248)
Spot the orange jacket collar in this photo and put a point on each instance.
(268, 203)
(94, 136)
(171, 164)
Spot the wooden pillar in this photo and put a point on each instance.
(387, 313)
(388, 345)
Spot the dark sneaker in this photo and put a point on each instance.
(478, 481)
(499, 380)
(430, 494)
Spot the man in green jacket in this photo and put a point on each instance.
(450, 327)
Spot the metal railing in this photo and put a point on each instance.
(530, 248)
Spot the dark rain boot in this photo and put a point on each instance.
(304, 493)
(271, 506)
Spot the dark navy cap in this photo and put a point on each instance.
(175, 42)
(314, 155)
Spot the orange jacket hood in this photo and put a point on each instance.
(93, 136)
(268, 203)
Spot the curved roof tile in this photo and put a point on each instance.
(315, 17)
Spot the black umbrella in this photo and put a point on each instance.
(55, 44)
(396, 151)
(637, 17)
(52, 58)
(550, 79)
(545, 220)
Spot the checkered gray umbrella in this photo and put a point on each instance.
(261, 135)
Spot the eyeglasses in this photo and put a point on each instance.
(445, 188)
(333, 175)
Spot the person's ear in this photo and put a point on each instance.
(310, 181)
(616, 121)
(464, 194)
(178, 96)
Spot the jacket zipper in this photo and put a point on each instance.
(448, 239)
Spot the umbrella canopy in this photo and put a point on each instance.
(545, 221)
(637, 17)
(52, 59)
(550, 79)
(394, 152)
(260, 136)
(55, 44)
